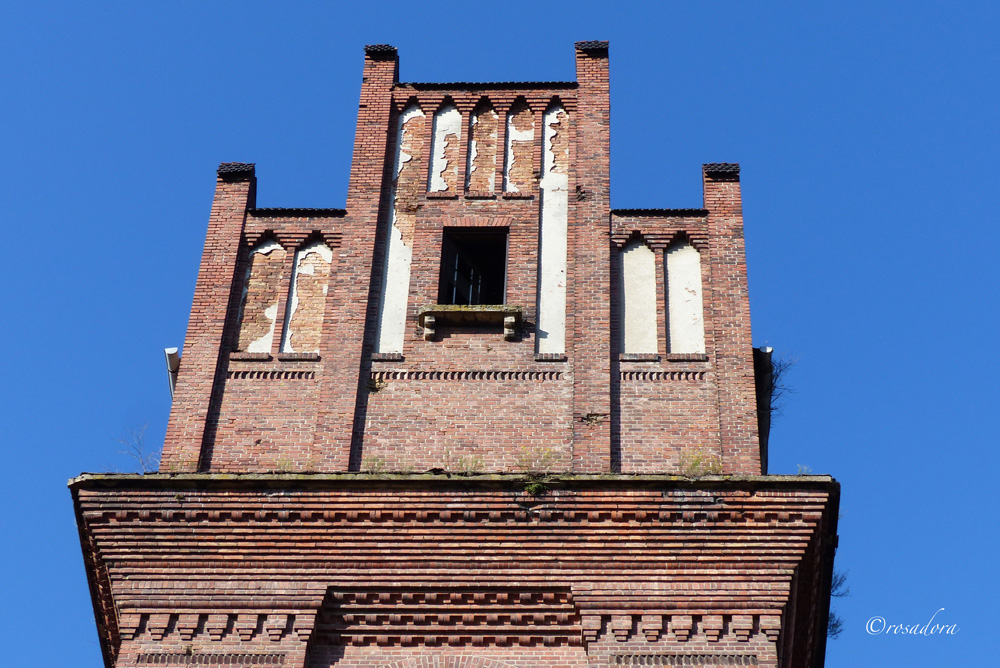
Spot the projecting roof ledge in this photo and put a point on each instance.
(208, 480)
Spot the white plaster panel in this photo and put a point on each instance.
(262, 344)
(685, 320)
(513, 136)
(554, 186)
(301, 268)
(474, 149)
(447, 131)
(638, 313)
(399, 255)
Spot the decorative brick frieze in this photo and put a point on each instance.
(188, 624)
(465, 590)
(240, 626)
(211, 659)
(681, 627)
(273, 374)
(673, 626)
(684, 659)
(456, 616)
(651, 626)
(469, 375)
(770, 625)
(663, 375)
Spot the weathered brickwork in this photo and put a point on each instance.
(307, 299)
(261, 296)
(357, 475)
(519, 166)
(484, 126)
(370, 571)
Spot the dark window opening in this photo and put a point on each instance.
(473, 266)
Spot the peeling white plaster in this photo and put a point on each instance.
(399, 255)
(447, 129)
(402, 158)
(554, 187)
(264, 248)
(326, 254)
(263, 344)
(638, 288)
(474, 149)
(395, 293)
(685, 321)
(514, 135)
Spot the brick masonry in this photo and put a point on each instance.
(462, 498)
(358, 570)
(243, 406)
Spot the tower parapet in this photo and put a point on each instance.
(475, 419)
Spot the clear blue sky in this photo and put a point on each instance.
(867, 136)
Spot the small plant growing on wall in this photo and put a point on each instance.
(536, 488)
(695, 462)
(469, 464)
(535, 462)
(373, 464)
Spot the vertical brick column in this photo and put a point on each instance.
(205, 344)
(353, 298)
(589, 264)
(730, 306)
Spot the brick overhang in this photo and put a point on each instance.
(308, 553)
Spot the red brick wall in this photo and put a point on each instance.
(337, 409)
(369, 570)
(207, 329)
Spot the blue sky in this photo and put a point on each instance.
(866, 134)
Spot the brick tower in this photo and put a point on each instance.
(477, 419)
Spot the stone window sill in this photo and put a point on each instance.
(387, 357)
(638, 357)
(551, 357)
(298, 357)
(431, 316)
(686, 357)
(267, 357)
(240, 356)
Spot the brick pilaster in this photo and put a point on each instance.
(589, 266)
(205, 344)
(352, 308)
(730, 307)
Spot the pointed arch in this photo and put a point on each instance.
(445, 137)
(261, 292)
(481, 173)
(307, 298)
(637, 287)
(519, 151)
(554, 231)
(407, 177)
(685, 310)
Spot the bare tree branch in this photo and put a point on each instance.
(134, 444)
